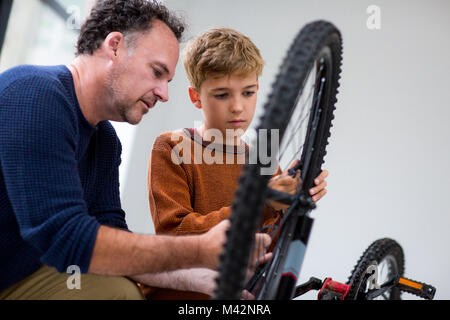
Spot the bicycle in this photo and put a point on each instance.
(301, 109)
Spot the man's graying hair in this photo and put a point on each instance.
(125, 16)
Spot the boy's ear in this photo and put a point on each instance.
(195, 97)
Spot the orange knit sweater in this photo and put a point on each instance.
(190, 191)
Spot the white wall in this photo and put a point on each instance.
(389, 151)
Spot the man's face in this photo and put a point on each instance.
(140, 77)
(228, 102)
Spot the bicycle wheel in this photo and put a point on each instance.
(301, 108)
(387, 255)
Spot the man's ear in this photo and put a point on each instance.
(195, 97)
(113, 43)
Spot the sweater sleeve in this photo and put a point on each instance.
(169, 197)
(38, 161)
(107, 207)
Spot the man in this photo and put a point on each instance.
(59, 158)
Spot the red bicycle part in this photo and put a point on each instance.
(333, 290)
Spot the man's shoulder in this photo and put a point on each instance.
(33, 75)
(33, 94)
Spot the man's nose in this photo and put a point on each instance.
(162, 92)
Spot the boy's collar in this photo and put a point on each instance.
(196, 137)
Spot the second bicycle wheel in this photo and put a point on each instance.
(300, 109)
(386, 258)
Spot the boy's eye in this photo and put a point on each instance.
(221, 96)
(248, 93)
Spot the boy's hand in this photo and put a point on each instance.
(285, 183)
(319, 190)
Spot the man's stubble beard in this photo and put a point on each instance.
(116, 96)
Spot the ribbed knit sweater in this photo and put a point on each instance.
(189, 192)
(58, 174)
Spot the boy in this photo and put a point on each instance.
(192, 182)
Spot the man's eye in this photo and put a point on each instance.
(249, 93)
(157, 73)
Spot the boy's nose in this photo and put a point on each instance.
(236, 106)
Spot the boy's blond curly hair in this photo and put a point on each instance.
(219, 52)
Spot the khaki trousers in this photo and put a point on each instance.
(48, 284)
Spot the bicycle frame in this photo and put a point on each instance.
(295, 254)
(296, 228)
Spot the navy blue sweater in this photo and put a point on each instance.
(58, 174)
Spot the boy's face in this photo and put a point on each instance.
(227, 102)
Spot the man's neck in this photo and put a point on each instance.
(87, 84)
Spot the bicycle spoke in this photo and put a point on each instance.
(300, 126)
(318, 78)
(299, 117)
(314, 125)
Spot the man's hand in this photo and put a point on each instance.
(259, 254)
(197, 280)
(202, 280)
(210, 244)
(246, 295)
